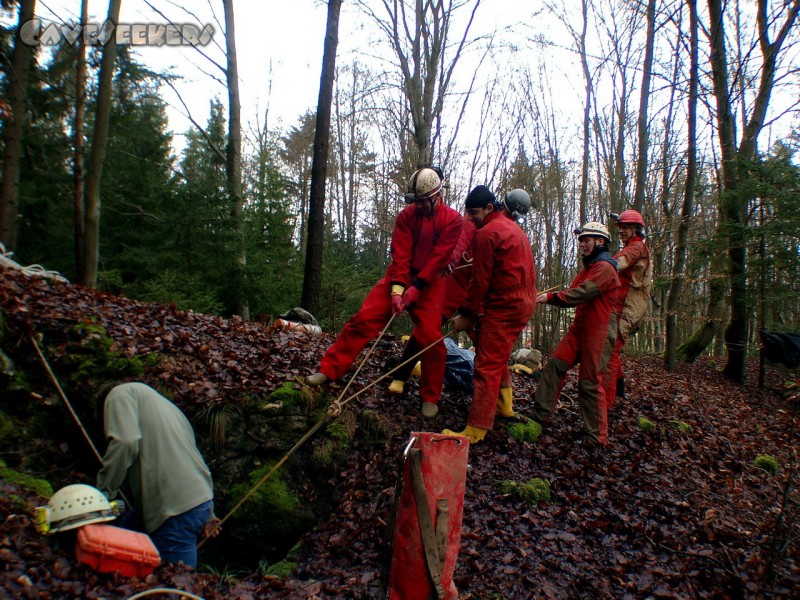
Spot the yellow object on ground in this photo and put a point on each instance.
(520, 368)
(417, 369)
(397, 386)
(505, 407)
(475, 434)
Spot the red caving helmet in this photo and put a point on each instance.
(631, 217)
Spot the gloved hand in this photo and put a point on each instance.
(397, 304)
(411, 296)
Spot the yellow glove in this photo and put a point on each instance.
(397, 290)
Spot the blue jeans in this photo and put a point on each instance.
(176, 538)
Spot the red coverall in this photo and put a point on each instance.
(589, 340)
(635, 274)
(455, 293)
(421, 248)
(503, 289)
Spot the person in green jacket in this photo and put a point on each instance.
(153, 458)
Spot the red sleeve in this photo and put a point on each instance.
(448, 231)
(630, 255)
(482, 263)
(401, 249)
(602, 276)
(464, 244)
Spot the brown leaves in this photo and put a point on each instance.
(668, 513)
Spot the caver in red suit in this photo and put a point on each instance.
(456, 284)
(501, 296)
(635, 278)
(422, 244)
(590, 339)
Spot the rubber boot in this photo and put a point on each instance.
(429, 410)
(317, 379)
(397, 386)
(475, 434)
(505, 406)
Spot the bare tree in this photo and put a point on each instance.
(234, 161)
(419, 33)
(78, 140)
(731, 224)
(13, 129)
(644, 98)
(679, 262)
(312, 279)
(94, 173)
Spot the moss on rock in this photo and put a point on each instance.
(533, 491)
(529, 431)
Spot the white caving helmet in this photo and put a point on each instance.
(425, 183)
(518, 203)
(74, 506)
(594, 228)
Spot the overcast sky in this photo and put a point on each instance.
(279, 46)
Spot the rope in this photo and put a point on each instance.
(164, 591)
(64, 397)
(333, 411)
(31, 270)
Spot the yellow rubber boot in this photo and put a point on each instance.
(475, 434)
(505, 406)
(417, 371)
(397, 386)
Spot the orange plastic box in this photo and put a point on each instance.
(106, 548)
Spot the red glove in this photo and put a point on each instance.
(411, 296)
(397, 304)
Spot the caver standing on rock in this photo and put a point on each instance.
(425, 234)
(501, 298)
(635, 278)
(590, 339)
(152, 457)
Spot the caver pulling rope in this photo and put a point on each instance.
(333, 411)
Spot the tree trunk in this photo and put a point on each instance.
(312, 279)
(587, 76)
(644, 98)
(97, 155)
(14, 128)
(78, 141)
(679, 263)
(234, 163)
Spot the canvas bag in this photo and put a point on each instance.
(427, 525)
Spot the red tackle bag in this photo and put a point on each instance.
(427, 526)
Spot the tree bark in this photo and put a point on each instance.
(233, 165)
(78, 140)
(14, 129)
(97, 155)
(312, 279)
(679, 263)
(644, 98)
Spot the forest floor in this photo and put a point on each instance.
(677, 511)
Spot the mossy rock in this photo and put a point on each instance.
(273, 510)
(681, 425)
(8, 430)
(533, 492)
(289, 399)
(333, 449)
(375, 427)
(280, 570)
(36, 485)
(767, 462)
(645, 424)
(528, 431)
